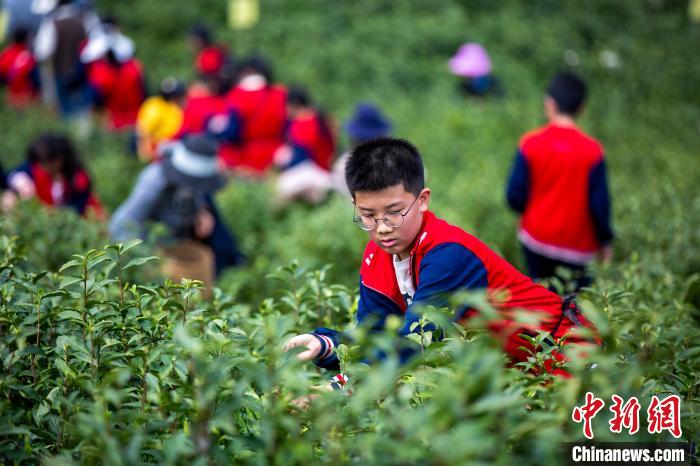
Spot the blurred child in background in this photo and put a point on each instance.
(210, 57)
(473, 66)
(306, 159)
(53, 174)
(366, 123)
(160, 118)
(18, 70)
(115, 76)
(256, 119)
(559, 184)
(61, 35)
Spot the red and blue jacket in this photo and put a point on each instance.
(445, 259)
(77, 194)
(559, 184)
(261, 116)
(120, 88)
(18, 71)
(309, 134)
(198, 110)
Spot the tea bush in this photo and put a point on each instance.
(97, 369)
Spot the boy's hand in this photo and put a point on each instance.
(308, 341)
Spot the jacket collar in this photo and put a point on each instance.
(423, 233)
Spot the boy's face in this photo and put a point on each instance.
(394, 199)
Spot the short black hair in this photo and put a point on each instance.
(255, 64)
(568, 91)
(384, 162)
(202, 32)
(297, 95)
(20, 35)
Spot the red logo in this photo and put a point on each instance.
(626, 415)
(661, 415)
(665, 415)
(587, 412)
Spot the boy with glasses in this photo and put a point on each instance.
(414, 258)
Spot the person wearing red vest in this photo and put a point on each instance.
(120, 89)
(305, 160)
(414, 258)
(202, 104)
(309, 128)
(54, 175)
(559, 184)
(18, 71)
(210, 57)
(258, 111)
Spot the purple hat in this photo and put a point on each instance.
(367, 123)
(471, 61)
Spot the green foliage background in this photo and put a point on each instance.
(234, 386)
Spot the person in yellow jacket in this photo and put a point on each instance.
(159, 118)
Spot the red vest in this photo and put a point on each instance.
(122, 88)
(198, 109)
(16, 66)
(81, 182)
(507, 289)
(558, 212)
(308, 134)
(263, 115)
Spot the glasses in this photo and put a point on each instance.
(391, 219)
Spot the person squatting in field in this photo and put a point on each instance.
(54, 174)
(414, 258)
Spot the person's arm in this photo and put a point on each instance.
(128, 221)
(518, 183)
(45, 40)
(599, 202)
(373, 308)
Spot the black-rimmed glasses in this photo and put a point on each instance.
(391, 219)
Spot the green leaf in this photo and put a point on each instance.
(53, 393)
(97, 261)
(53, 294)
(130, 244)
(69, 264)
(68, 281)
(140, 261)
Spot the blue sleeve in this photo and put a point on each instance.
(372, 310)
(330, 362)
(225, 127)
(447, 268)
(129, 219)
(518, 183)
(599, 202)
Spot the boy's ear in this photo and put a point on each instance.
(424, 199)
(550, 106)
